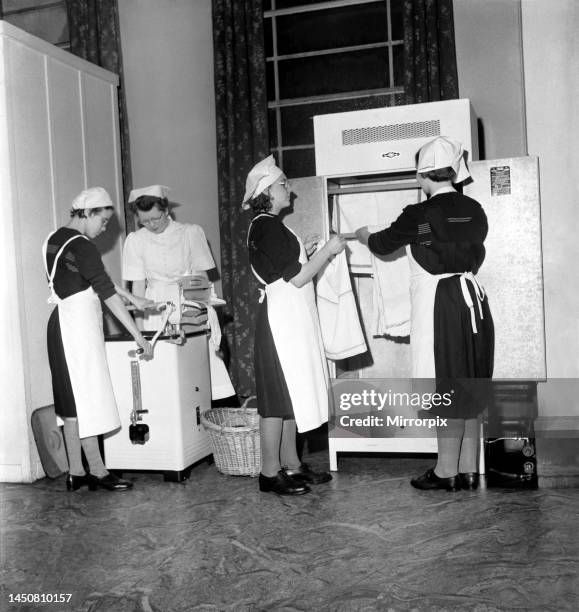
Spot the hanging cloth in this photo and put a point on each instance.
(338, 314)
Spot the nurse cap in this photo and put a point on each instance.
(157, 191)
(260, 177)
(93, 197)
(443, 152)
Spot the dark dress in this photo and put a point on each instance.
(446, 235)
(273, 254)
(79, 267)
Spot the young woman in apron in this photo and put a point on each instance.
(83, 394)
(290, 364)
(452, 332)
(157, 255)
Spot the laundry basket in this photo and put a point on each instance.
(234, 436)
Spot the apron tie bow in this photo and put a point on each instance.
(479, 294)
(52, 298)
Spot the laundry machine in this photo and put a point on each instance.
(160, 402)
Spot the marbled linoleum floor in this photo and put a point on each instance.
(366, 541)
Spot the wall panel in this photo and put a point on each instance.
(42, 165)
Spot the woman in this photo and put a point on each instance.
(161, 252)
(452, 333)
(83, 394)
(290, 364)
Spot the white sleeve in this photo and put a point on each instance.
(201, 258)
(133, 264)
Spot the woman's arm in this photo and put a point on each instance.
(402, 232)
(362, 234)
(116, 306)
(140, 303)
(335, 245)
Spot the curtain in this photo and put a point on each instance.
(95, 36)
(242, 140)
(430, 72)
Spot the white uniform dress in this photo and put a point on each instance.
(160, 259)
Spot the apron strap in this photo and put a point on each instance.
(261, 289)
(479, 294)
(53, 297)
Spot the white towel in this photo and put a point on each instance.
(220, 382)
(391, 290)
(339, 321)
(354, 211)
(391, 296)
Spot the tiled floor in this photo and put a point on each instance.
(366, 541)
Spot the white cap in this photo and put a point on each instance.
(94, 197)
(260, 177)
(157, 191)
(443, 152)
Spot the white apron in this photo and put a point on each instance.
(165, 291)
(81, 328)
(295, 328)
(422, 295)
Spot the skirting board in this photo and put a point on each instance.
(20, 473)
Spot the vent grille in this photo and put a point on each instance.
(397, 131)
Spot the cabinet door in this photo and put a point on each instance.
(308, 214)
(512, 274)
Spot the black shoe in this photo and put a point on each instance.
(468, 480)
(429, 480)
(109, 482)
(282, 484)
(76, 482)
(305, 474)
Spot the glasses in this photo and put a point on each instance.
(152, 220)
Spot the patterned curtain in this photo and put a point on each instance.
(95, 36)
(242, 140)
(430, 72)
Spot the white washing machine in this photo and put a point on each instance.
(160, 404)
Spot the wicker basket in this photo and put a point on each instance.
(234, 435)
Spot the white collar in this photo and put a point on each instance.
(447, 189)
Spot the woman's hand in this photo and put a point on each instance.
(362, 234)
(311, 244)
(336, 244)
(137, 300)
(145, 345)
(141, 303)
